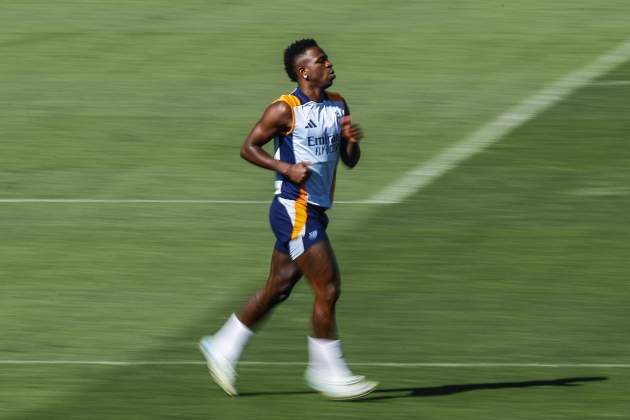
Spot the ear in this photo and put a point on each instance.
(301, 71)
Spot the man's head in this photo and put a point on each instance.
(305, 61)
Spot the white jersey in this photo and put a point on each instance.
(315, 137)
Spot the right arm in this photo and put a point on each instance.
(276, 119)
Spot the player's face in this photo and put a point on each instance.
(317, 67)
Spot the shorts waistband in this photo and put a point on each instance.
(309, 206)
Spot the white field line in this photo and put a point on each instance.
(125, 201)
(426, 172)
(261, 363)
(142, 201)
(611, 83)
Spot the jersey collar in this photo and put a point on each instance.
(305, 99)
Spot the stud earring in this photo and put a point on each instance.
(305, 77)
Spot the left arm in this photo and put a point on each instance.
(350, 138)
(351, 135)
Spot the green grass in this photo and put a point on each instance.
(518, 255)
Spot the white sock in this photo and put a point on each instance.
(231, 339)
(326, 357)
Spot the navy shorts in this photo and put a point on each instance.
(297, 225)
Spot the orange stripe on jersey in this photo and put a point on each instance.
(300, 213)
(292, 101)
(334, 96)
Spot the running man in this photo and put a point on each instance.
(312, 130)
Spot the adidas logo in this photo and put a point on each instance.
(311, 124)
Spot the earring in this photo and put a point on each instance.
(305, 77)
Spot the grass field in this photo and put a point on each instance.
(517, 256)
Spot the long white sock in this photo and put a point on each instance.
(326, 357)
(231, 339)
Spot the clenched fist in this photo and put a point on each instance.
(350, 132)
(299, 172)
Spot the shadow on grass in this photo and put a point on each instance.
(438, 391)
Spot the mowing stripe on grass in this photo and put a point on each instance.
(425, 173)
(262, 363)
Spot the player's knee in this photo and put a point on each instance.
(330, 294)
(283, 295)
(281, 292)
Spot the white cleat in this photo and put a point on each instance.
(347, 388)
(221, 370)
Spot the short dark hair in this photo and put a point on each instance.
(293, 51)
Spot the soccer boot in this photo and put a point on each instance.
(221, 370)
(339, 388)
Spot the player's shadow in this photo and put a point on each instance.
(438, 391)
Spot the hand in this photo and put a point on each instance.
(299, 172)
(350, 132)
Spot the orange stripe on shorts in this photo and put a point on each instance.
(300, 213)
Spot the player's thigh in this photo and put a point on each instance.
(283, 272)
(319, 264)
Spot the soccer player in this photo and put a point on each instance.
(312, 130)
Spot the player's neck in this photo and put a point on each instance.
(315, 94)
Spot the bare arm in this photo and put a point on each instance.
(276, 119)
(351, 135)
